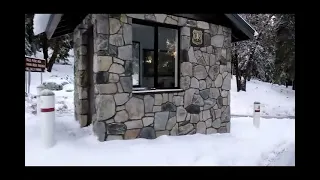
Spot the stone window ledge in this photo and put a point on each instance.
(156, 91)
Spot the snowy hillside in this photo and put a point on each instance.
(275, 100)
(245, 145)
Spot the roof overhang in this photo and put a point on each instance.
(52, 25)
(60, 24)
(242, 24)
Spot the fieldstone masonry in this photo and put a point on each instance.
(202, 107)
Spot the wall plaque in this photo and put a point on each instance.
(196, 35)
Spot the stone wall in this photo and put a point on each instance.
(80, 72)
(201, 107)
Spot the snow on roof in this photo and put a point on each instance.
(40, 22)
(255, 32)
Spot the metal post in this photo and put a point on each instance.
(26, 82)
(256, 114)
(41, 78)
(29, 81)
(47, 117)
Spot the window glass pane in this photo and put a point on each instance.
(148, 68)
(135, 63)
(167, 57)
(143, 36)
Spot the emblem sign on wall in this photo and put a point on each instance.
(196, 35)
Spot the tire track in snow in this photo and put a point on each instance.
(286, 158)
(276, 156)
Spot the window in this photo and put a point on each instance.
(155, 55)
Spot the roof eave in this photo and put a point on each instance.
(52, 24)
(237, 20)
(244, 26)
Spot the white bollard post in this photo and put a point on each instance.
(47, 117)
(256, 114)
(39, 89)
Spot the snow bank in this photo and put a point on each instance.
(244, 146)
(68, 87)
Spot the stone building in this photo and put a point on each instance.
(147, 75)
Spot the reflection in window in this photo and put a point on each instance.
(167, 43)
(143, 37)
(135, 63)
(148, 64)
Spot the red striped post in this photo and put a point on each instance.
(47, 115)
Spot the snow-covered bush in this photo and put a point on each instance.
(53, 86)
(31, 104)
(55, 83)
(68, 87)
(61, 106)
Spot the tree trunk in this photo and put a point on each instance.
(249, 66)
(236, 66)
(231, 71)
(294, 85)
(244, 82)
(244, 85)
(45, 47)
(53, 57)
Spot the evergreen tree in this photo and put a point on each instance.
(285, 49)
(255, 57)
(270, 55)
(29, 35)
(60, 47)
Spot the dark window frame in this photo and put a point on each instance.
(156, 25)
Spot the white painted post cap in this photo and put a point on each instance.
(41, 86)
(46, 92)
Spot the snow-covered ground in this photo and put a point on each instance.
(275, 100)
(245, 145)
(272, 144)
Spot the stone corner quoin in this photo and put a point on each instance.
(205, 76)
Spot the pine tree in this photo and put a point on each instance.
(29, 35)
(270, 56)
(285, 49)
(255, 57)
(27, 45)
(61, 47)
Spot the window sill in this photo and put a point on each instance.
(156, 91)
